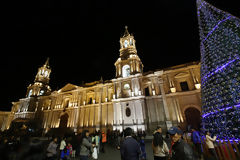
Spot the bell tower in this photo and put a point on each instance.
(128, 101)
(128, 63)
(40, 86)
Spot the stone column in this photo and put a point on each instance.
(168, 122)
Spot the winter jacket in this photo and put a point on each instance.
(85, 147)
(52, 149)
(182, 151)
(196, 137)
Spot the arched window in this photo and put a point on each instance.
(125, 43)
(126, 71)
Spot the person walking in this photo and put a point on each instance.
(104, 141)
(160, 148)
(52, 150)
(86, 146)
(62, 145)
(210, 145)
(197, 142)
(179, 150)
(130, 148)
(142, 147)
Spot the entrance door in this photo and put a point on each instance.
(193, 117)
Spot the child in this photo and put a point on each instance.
(69, 147)
(95, 152)
(66, 152)
(143, 151)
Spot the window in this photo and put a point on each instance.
(147, 92)
(131, 42)
(41, 92)
(184, 86)
(128, 112)
(30, 93)
(125, 43)
(90, 101)
(126, 71)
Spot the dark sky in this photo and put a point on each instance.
(81, 38)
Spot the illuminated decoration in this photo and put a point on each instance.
(173, 89)
(198, 86)
(220, 71)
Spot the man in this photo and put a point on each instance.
(104, 141)
(52, 150)
(197, 142)
(130, 148)
(179, 150)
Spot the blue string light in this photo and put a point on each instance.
(220, 71)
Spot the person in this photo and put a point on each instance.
(209, 143)
(130, 148)
(104, 141)
(86, 146)
(158, 129)
(142, 147)
(179, 150)
(159, 146)
(69, 147)
(95, 152)
(52, 150)
(62, 145)
(197, 142)
(65, 154)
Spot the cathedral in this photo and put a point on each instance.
(165, 97)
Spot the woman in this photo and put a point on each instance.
(86, 146)
(160, 148)
(209, 143)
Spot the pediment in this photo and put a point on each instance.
(181, 75)
(68, 87)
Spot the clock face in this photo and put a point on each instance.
(126, 86)
(125, 43)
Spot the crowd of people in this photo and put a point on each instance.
(85, 146)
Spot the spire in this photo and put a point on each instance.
(126, 33)
(47, 63)
(101, 80)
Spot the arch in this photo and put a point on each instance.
(63, 121)
(193, 117)
(191, 105)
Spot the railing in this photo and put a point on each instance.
(225, 149)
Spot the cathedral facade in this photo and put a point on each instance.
(166, 97)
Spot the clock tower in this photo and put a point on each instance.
(40, 86)
(128, 101)
(128, 63)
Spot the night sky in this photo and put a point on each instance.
(81, 38)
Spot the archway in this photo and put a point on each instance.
(63, 121)
(193, 117)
